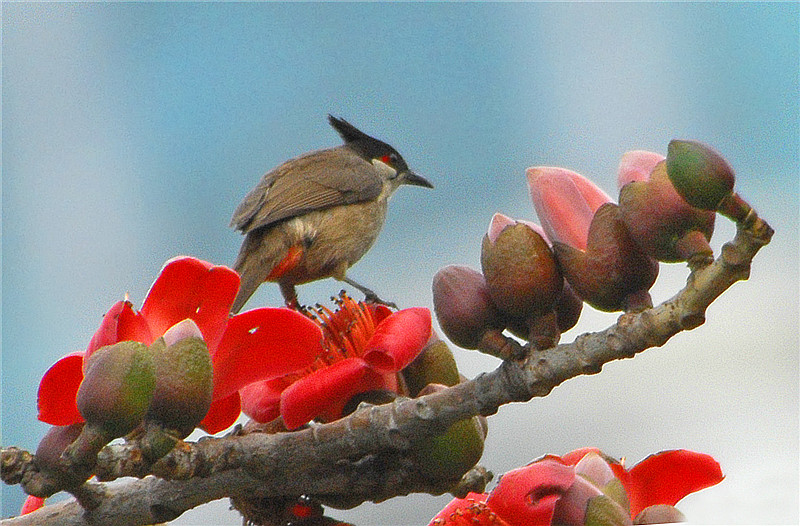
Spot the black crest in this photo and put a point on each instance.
(348, 132)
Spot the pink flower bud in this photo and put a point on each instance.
(613, 273)
(661, 222)
(521, 273)
(636, 165)
(463, 305)
(565, 203)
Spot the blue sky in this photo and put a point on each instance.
(131, 131)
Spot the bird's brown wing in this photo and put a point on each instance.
(313, 181)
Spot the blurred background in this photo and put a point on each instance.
(131, 131)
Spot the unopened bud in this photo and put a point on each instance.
(53, 444)
(521, 273)
(700, 175)
(435, 364)
(659, 514)
(662, 223)
(117, 388)
(449, 455)
(463, 305)
(613, 271)
(184, 380)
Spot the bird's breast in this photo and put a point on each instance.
(333, 239)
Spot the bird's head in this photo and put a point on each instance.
(388, 161)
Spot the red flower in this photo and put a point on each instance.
(364, 348)
(565, 490)
(258, 344)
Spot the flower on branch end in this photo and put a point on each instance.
(587, 487)
(661, 222)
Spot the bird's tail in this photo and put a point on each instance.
(253, 268)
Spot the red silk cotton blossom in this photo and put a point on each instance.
(365, 347)
(587, 487)
(258, 344)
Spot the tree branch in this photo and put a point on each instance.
(368, 455)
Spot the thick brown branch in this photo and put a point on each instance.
(366, 455)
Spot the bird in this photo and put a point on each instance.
(316, 215)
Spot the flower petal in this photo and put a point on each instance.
(222, 414)
(637, 165)
(191, 288)
(261, 401)
(398, 339)
(31, 504)
(261, 344)
(529, 495)
(58, 390)
(469, 511)
(327, 390)
(565, 203)
(667, 477)
(498, 224)
(573, 457)
(121, 323)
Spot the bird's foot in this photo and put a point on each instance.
(371, 297)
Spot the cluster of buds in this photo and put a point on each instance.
(156, 394)
(534, 279)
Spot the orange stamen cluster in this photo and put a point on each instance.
(475, 513)
(346, 331)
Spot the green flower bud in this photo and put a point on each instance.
(184, 380)
(659, 514)
(700, 175)
(603, 511)
(117, 388)
(435, 364)
(449, 455)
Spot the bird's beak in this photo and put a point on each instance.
(417, 180)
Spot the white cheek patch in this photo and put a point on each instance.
(387, 170)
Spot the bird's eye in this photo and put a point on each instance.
(390, 159)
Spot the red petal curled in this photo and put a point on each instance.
(121, 323)
(326, 391)
(222, 414)
(398, 339)
(528, 495)
(667, 477)
(190, 288)
(58, 390)
(261, 401)
(261, 344)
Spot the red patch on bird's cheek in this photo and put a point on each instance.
(291, 260)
